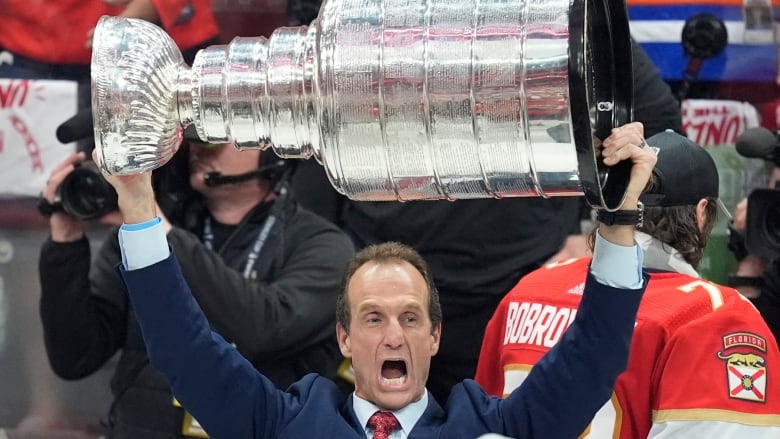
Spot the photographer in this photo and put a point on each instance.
(264, 271)
(768, 302)
(755, 230)
(758, 277)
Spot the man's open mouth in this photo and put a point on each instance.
(394, 372)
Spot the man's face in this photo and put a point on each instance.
(391, 340)
(225, 159)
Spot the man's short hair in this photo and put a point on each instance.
(388, 252)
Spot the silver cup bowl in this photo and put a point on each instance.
(397, 99)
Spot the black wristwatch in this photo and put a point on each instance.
(735, 281)
(623, 217)
(46, 209)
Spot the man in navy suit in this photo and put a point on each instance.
(389, 324)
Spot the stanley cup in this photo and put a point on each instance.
(397, 99)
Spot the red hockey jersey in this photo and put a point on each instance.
(700, 361)
(55, 31)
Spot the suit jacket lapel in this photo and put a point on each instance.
(348, 413)
(430, 422)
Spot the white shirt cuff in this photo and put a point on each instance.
(617, 265)
(143, 244)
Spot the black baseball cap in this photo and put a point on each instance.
(684, 173)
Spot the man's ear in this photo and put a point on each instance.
(701, 213)
(344, 343)
(435, 339)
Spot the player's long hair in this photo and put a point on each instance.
(678, 228)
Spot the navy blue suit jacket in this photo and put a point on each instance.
(232, 400)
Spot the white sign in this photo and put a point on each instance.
(711, 122)
(30, 112)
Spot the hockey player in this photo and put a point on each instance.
(701, 355)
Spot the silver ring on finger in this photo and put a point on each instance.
(642, 143)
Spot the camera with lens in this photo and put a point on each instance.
(762, 227)
(85, 194)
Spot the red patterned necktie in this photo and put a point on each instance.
(383, 423)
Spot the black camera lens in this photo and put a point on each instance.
(762, 231)
(772, 227)
(85, 194)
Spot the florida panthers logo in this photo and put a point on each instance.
(746, 371)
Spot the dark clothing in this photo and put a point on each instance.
(280, 317)
(654, 103)
(768, 303)
(232, 400)
(302, 12)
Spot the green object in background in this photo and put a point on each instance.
(717, 262)
(737, 178)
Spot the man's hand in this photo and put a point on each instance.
(135, 195)
(628, 143)
(739, 219)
